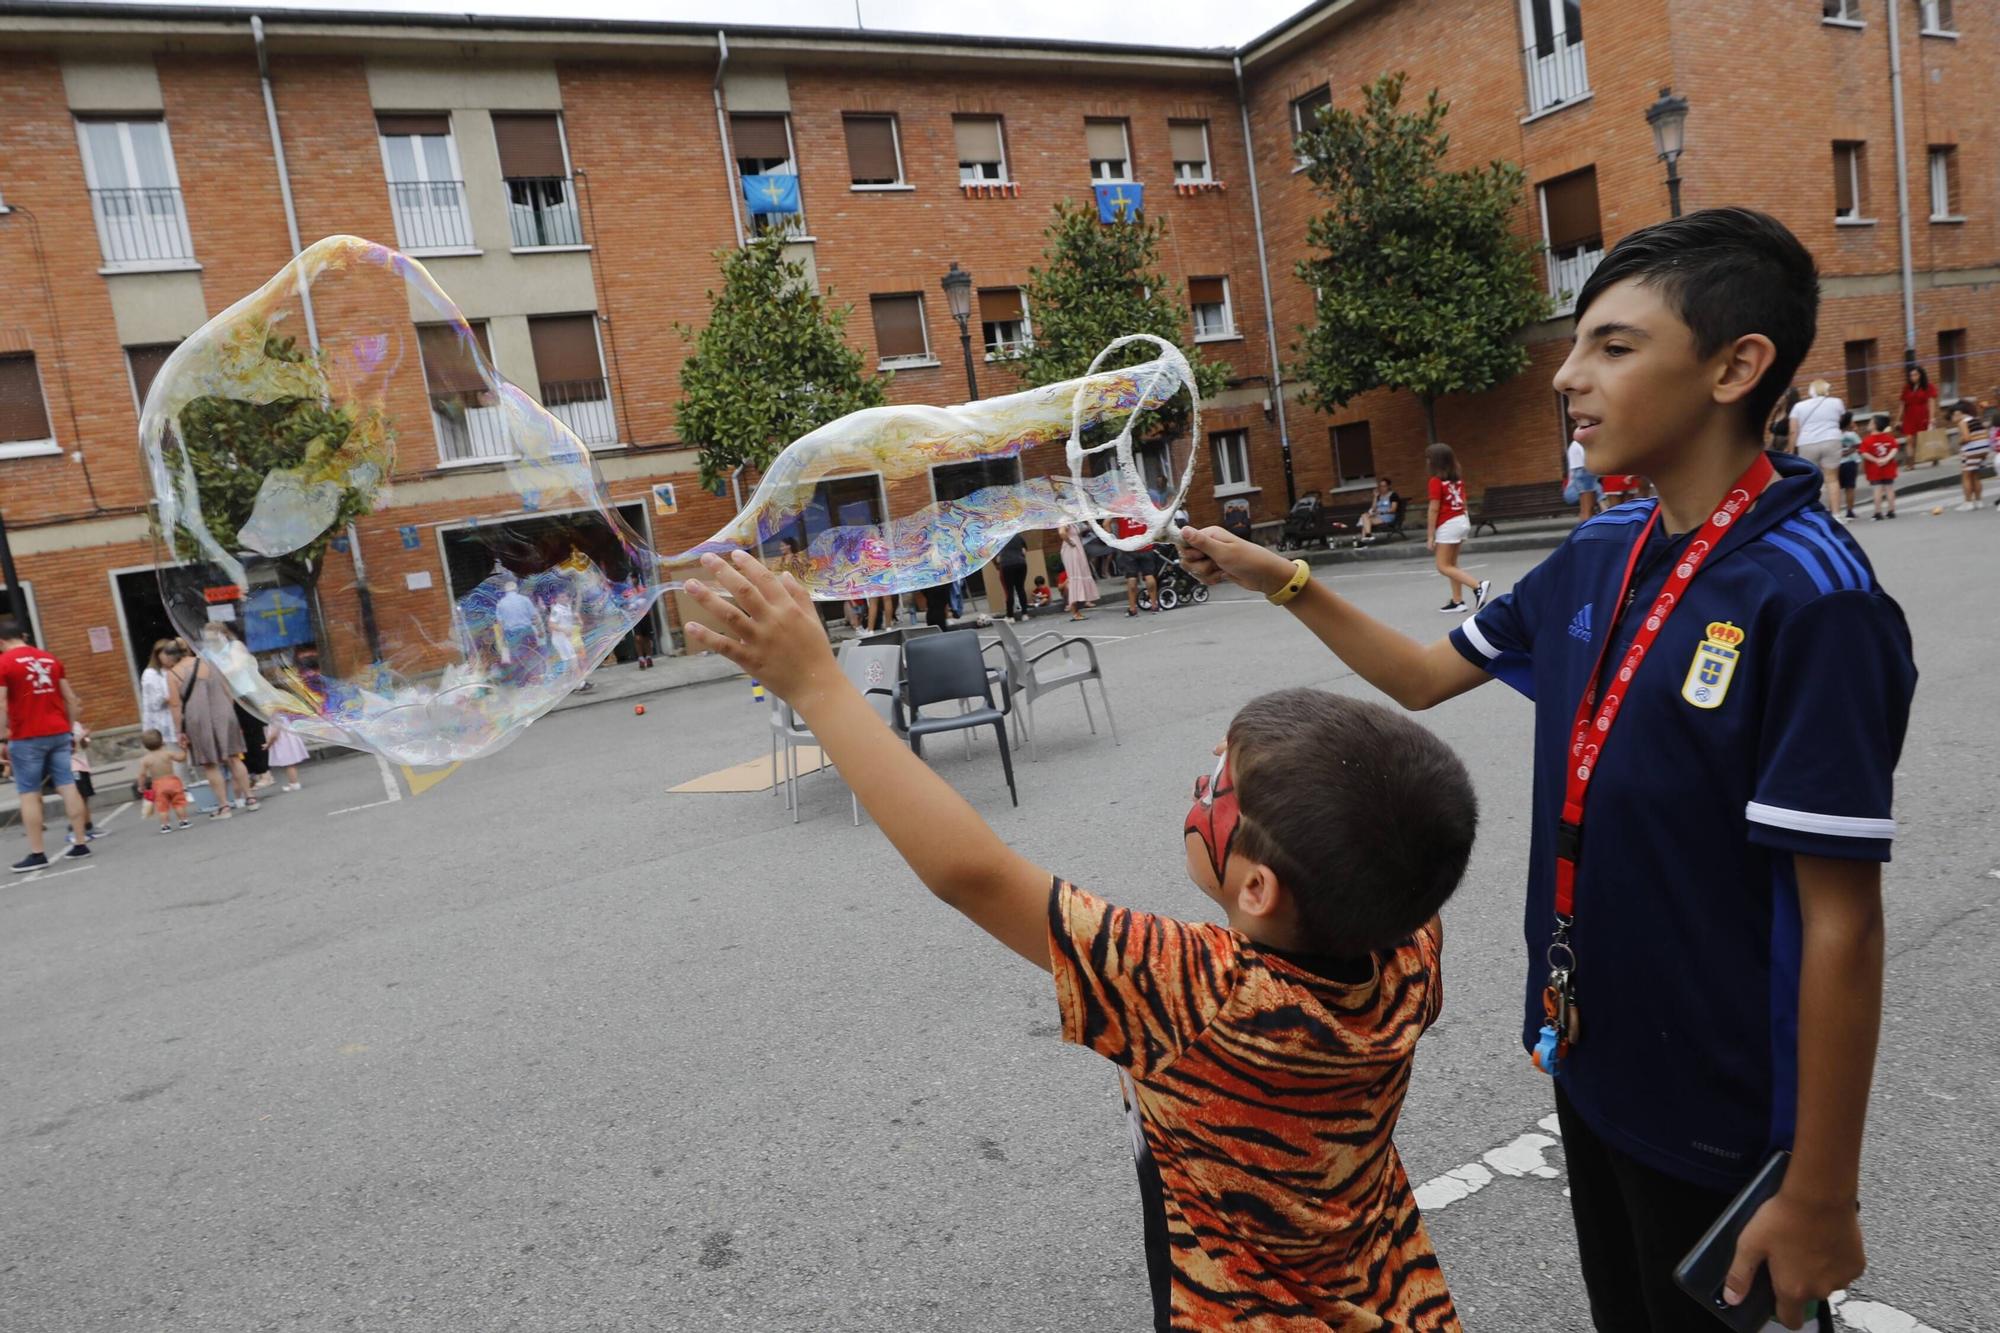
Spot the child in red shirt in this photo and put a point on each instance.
(1878, 460)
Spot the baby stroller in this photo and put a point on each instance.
(1176, 584)
(1309, 523)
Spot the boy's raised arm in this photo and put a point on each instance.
(1415, 675)
(773, 633)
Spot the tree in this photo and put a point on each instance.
(1421, 280)
(1099, 282)
(769, 366)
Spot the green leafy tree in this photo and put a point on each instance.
(1097, 283)
(769, 366)
(1422, 281)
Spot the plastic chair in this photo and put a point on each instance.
(949, 667)
(876, 670)
(788, 731)
(1030, 675)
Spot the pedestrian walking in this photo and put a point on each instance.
(1013, 563)
(1816, 437)
(1580, 486)
(205, 720)
(287, 752)
(1447, 527)
(161, 782)
(1850, 464)
(41, 707)
(79, 765)
(154, 709)
(1080, 586)
(1137, 565)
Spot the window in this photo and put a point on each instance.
(1556, 72)
(1003, 320)
(570, 368)
(534, 161)
(144, 363)
(1231, 452)
(1305, 115)
(24, 413)
(1937, 16)
(421, 161)
(1212, 315)
(956, 481)
(1840, 11)
(982, 153)
(1190, 142)
(763, 147)
(135, 193)
(1573, 232)
(1860, 360)
(900, 337)
(874, 157)
(1848, 181)
(1951, 363)
(1110, 150)
(471, 426)
(1944, 183)
(1353, 453)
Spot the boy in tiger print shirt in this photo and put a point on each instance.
(1265, 1060)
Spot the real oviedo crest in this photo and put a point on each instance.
(1707, 683)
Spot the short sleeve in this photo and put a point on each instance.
(1836, 708)
(1435, 489)
(1135, 987)
(1500, 639)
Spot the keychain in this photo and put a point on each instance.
(1562, 1025)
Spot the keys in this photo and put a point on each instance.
(1561, 1024)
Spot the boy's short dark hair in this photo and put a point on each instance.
(1846, 420)
(1366, 817)
(151, 739)
(10, 628)
(1881, 421)
(1726, 272)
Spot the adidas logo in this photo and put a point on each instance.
(1579, 625)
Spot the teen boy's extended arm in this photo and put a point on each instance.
(772, 632)
(1415, 675)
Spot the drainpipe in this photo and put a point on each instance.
(364, 600)
(722, 127)
(1902, 182)
(1264, 275)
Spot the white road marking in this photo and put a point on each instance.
(391, 791)
(115, 813)
(1523, 1156)
(36, 876)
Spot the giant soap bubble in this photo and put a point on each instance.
(376, 537)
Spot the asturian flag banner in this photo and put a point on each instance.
(1120, 195)
(771, 194)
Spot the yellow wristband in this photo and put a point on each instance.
(1301, 576)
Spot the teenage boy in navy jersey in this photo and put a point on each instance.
(1725, 861)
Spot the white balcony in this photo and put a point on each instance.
(469, 429)
(431, 215)
(1556, 76)
(1568, 271)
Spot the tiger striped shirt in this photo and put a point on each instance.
(1264, 1097)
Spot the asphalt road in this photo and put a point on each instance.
(547, 1047)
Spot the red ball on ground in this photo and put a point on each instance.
(639, 709)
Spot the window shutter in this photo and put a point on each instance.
(449, 367)
(1190, 138)
(22, 415)
(529, 146)
(565, 348)
(998, 305)
(871, 150)
(978, 138)
(392, 126)
(759, 136)
(1206, 291)
(1106, 139)
(146, 363)
(1570, 206)
(899, 326)
(1843, 179)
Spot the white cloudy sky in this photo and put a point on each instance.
(1152, 22)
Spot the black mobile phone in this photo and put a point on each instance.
(1701, 1273)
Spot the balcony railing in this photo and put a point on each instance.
(430, 215)
(1568, 272)
(789, 225)
(470, 427)
(584, 406)
(541, 211)
(1556, 76)
(142, 226)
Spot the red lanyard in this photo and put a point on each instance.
(1592, 729)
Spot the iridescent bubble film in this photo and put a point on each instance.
(376, 537)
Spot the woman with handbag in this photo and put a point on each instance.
(205, 720)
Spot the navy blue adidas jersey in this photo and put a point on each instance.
(1766, 720)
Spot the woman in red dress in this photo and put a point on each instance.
(1918, 395)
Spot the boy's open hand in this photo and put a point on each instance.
(770, 627)
(1215, 555)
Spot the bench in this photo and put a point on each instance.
(1532, 499)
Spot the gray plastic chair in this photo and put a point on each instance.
(1031, 675)
(949, 668)
(876, 670)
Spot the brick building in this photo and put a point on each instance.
(568, 183)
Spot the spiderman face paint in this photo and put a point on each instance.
(1214, 816)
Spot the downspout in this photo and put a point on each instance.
(363, 599)
(1264, 276)
(722, 128)
(1902, 182)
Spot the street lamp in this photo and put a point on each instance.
(957, 286)
(1668, 117)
